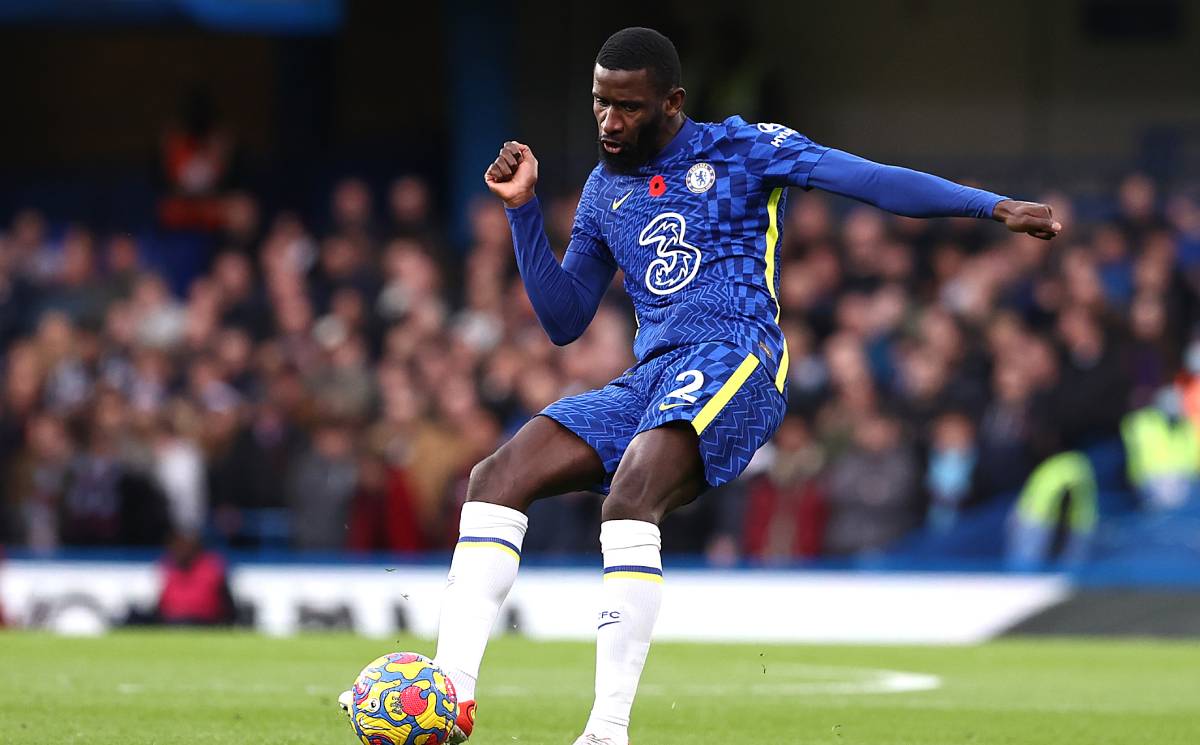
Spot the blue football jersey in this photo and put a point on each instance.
(697, 233)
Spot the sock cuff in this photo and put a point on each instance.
(631, 550)
(619, 534)
(483, 522)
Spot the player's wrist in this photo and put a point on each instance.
(1003, 210)
(519, 200)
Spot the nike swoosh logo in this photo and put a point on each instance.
(618, 202)
(610, 623)
(664, 407)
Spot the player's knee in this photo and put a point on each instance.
(485, 476)
(624, 505)
(643, 489)
(492, 480)
(481, 472)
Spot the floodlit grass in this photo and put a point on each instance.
(225, 689)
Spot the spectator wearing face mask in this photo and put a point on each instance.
(950, 469)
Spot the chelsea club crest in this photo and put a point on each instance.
(700, 178)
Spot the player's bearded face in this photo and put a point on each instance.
(637, 146)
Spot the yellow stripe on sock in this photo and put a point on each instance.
(634, 575)
(497, 546)
(723, 396)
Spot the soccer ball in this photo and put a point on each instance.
(403, 699)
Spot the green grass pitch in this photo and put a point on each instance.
(199, 688)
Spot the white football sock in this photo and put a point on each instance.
(632, 595)
(481, 574)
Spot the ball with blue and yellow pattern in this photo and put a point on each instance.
(403, 699)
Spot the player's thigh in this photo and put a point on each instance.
(660, 472)
(606, 418)
(544, 458)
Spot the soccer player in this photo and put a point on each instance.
(692, 213)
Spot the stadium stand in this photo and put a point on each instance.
(325, 382)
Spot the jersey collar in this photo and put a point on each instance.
(677, 143)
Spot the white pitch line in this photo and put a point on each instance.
(782, 680)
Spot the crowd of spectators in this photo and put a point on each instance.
(328, 383)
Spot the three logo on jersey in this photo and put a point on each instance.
(678, 261)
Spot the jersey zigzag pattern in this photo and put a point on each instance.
(696, 231)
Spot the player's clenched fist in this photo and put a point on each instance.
(513, 174)
(1028, 217)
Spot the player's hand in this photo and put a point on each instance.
(513, 174)
(1028, 217)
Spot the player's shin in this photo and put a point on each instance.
(632, 596)
(481, 574)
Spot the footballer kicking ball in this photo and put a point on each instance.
(403, 699)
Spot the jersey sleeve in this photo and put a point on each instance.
(779, 155)
(564, 296)
(587, 241)
(901, 191)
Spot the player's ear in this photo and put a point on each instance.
(674, 102)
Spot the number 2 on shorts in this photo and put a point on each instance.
(685, 392)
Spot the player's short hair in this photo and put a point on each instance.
(638, 48)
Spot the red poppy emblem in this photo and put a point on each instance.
(658, 185)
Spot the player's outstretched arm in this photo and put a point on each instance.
(564, 297)
(904, 191)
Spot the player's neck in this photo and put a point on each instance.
(670, 129)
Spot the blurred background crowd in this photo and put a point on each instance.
(328, 381)
(253, 298)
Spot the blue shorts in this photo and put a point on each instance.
(724, 391)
